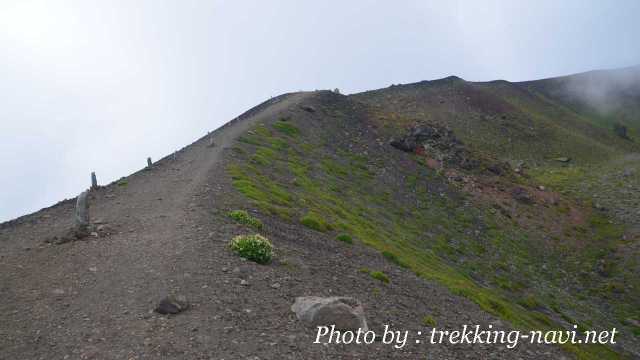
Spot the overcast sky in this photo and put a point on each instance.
(100, 85)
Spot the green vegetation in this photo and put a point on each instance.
(255, 247)
(378, 275)
(559, 178)
(394, 259)
(313, 221)
(428, 320)
(264, 156)
(438, 235)
(122, 182)
(243, 217)
(286, 128)
(346, 238)
(530, 302)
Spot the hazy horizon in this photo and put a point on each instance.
(94, 86)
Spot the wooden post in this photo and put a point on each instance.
(94, 181)
(149, 162)
(81, 216)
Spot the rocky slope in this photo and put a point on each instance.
(448, 189)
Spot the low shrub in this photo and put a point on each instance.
(379, 275)
(346, 238)
(255, 247)
(243, 217)
(428, 320)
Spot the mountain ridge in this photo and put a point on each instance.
(474, 221)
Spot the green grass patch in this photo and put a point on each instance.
(428, 320)
(315, 222)
(530, 302)
(559, 178)
(243, 217)
(380, 276)
(605, 229)
(264, 156)
(345, 238)
(278, 144)
(394, 259)
(334, 168)
(286, 128)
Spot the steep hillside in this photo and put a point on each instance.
(166, 230)
(563, 134)
(439, 203)
(537, 260)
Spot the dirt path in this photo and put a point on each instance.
(102, 282)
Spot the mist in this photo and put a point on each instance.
(605, 92)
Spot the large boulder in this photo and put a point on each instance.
(344, 312)
(436, 142)
(172, 304)
(419, 135)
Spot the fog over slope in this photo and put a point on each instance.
(606, 91)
